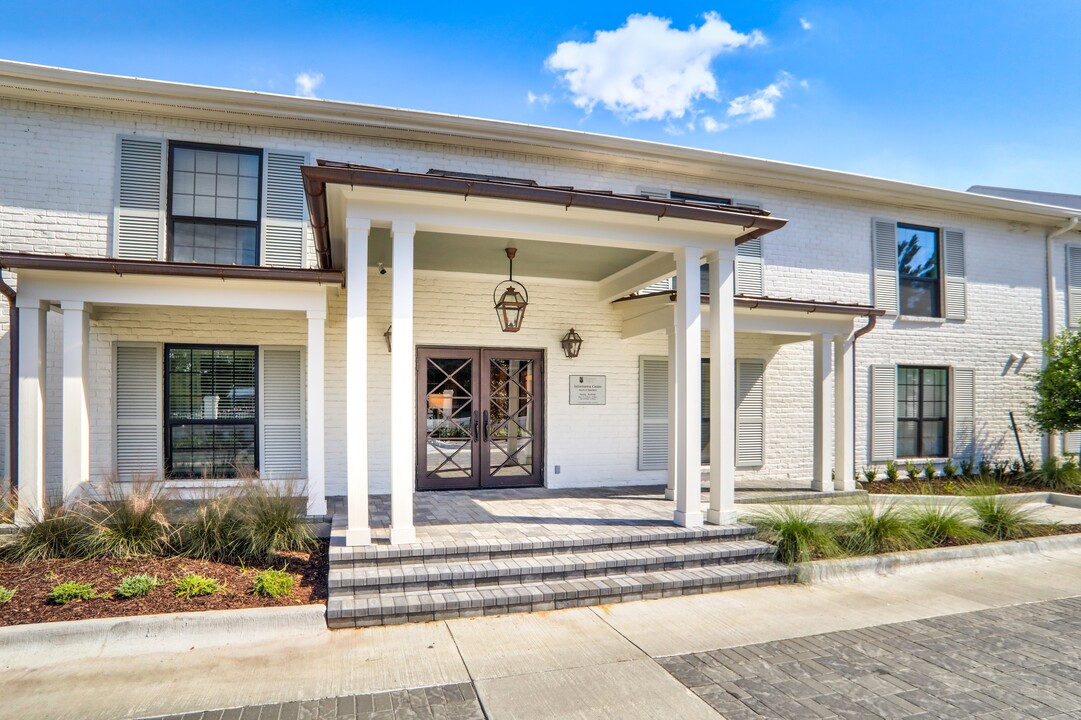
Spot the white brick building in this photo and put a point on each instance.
(192, 304)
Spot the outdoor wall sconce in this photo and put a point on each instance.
(511, 305)
(572, 344)
(386, 336)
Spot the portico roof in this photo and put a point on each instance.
(753, 302)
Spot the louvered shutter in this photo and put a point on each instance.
(956, 301)
(653, 413)
(282, 404)
(964, 412)
(1073, 285)
(284, 209)
(750, 413)
(749, 269)
(138, 411)
(883, 412)
(884, 250)
(139, 215)
(661, 286)
(1071, 443)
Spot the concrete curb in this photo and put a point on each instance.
(825, 571)
(42, 644)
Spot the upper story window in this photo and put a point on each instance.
(918, 269)
(214, 204)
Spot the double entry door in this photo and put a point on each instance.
(480, 418)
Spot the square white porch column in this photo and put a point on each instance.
(402, 386)
(688, 395)
(76, 413)
(823, 400)
(722, 391)
(673, 437)
(32, 336)
(317, 493)
(358, 531)
(843, 422)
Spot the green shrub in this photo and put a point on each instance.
(131, 524)
(59, 533)
(273, 520)
(1055, 474)
(940, 524)
(214, 531)
(913, 470)
(273, 583)
(798, 533)
(929, 470)
(67, 592)
(949, 469)
(1001, 518)
(195, 585)
(867, 531)
(870, 474)
(986, 467)
(6, 595)
(891, 471)
(966, 467)
(136, 586)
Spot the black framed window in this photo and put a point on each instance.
(211, 411)
(918, 260)
(922, 412)
(214, 195)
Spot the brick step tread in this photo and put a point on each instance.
(482, 547)
(342, 606)
(544, 567)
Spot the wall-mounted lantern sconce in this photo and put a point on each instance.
(572, 344)
(510, 307)
(386, 336)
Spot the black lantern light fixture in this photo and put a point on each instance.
(572, 344)
(511, 305)
(386, 336)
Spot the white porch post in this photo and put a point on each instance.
(843, 422)
(402, 386)
(688, 327)
(76, 437)
(317, 495)
(673, 437)
(32, 335)
(823, 399)
(722, 402)
(358, 531)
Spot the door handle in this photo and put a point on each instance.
(485, 438)
(476, 424)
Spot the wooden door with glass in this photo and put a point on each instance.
(480, 418)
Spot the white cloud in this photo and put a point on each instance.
(711, 125)
(761, 104)
(307, 83)
(805, 24)
(646, 70)
(533, 99)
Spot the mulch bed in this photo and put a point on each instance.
(34, 581)
(941, 486)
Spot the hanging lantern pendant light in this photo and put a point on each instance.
(511, 305)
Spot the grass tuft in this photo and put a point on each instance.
(195, 585)
(273, 583)
(131, 524)
(273, 521)
(67, 592)
(213, 532)
(60, 532)
(866, 531)
(798, 533)
(936, 525)
(136, 586)
(1001, 518)
(1057, 474)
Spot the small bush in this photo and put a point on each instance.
(272, 521)
(798, 533)
(195, 585)
(59, 533)
(949, 469)
(213, 532)
(966, 467)
(1001, 518)
(6, 595)
(867, 531)
(891, 471)
(940, 524)
(870, 474)
(929, 470)
(913, 471)
(986, 467)
(136, 586)
(67, 592)
(130, 524)
(273, 583)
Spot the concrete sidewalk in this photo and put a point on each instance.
(581, 663)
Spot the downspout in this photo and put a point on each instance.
(1052, 321)
(872, 320)
(13, 386)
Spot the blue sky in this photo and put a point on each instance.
(943, 93)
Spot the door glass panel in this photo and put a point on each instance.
(449, 417)
(511, 408)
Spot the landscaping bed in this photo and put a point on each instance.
(959, 487)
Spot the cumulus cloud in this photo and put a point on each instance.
(805, 24)
(307, 83)
(761, 104)
(711, 125)
(534, 99)
(647, 70)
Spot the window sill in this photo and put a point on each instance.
(921, 319)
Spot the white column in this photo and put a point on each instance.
(76, 425)
(673, 438)
(358, 531)
(32, 336)
(722, 391)
(402, 387)
(823, 399)
(317, 494)
(843, 422)
(688, 395)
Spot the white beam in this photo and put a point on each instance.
(823, 399)
(673, 436)
(688, 396)
(843, 424)
(402, 386)
(76, 414)
(32, 336)
(317, 496)
(646, 271)
(358, 531)
(722, 388)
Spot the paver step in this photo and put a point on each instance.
(441, 573)
(345, 609)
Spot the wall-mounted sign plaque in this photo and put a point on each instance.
(587, 389)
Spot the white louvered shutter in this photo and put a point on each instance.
(282, 403)
(1073, 285)
(661, 286)
(750, 278)
(653, 413)
(1071, 442)
(139, 412)
(883, 412)
(284, 210)
(884, 250)
(956, 293)
(750, 413)
(964, 412)
(139, 215)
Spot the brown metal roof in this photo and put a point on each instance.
(769, 303)
(756, 222)
(37, 261)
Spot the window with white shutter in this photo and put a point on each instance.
(1073, 285)
(964, 412)
(750, 278)
(283, 412)
(653, 413)
(138, 410)
(956, 292)
(285, 210)
(1071, 443)
(750, 413)
(139, 214)
(884, 251)
(883, 412)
